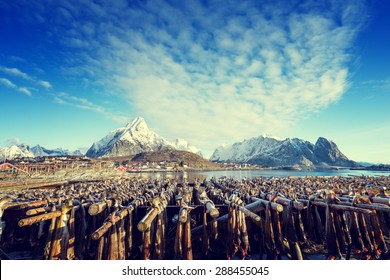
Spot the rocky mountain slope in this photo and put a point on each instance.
(133, 139)
(40, 151)
(269, 151)
(181, 157)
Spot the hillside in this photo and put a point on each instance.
(169, 155)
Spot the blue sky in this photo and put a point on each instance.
(211, 72)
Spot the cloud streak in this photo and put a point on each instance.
(64, 98)
(18, 73)
(7, 83)
(381, 84)
(212, 72)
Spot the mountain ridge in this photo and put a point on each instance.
(40, 151)
(269, 151)
(135, 138)
(15, 151)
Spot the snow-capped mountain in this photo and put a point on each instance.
(15, 151)
(132, 139)
(40, 151)
(270, 151)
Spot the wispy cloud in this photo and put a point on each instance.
(15, 72)
(45, 84)
(25, 90)
(64, 98)
(215, 71)
(12, 141)
(18, 73)
(382, 84)
(7, 83)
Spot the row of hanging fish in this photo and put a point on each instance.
(258, 218)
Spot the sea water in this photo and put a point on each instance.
(240, 174)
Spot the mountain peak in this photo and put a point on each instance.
(322, 140)
(14, 151)
(290, 151)
(265, 135)
(138, 122)
(40, 151)
(134, 138)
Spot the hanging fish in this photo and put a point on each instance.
(61, 234)
(121, 239)
(300, 228)
(229, 235)
(112, 239)
(100, 248)
(146, 237)
(346, 233)
(214, 228)
(33, 239)
(178, 247)
(244, 236)
(318, 225)
(310, 221)
(237, 235)
(332, 243)
(356, 235)
(187, 250)
(47, 248)
(290, 232)
(164, 222)
(129, 233)
(383, 224)
(378, 235)
(278, 235)
(368, 247)
(344, 226)
(70, 255)
(205, 237)
(158, 239)
(269, 238)
(339, 232)
(80, 233)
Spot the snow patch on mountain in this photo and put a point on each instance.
(270, 151)
(40, 151)
(244, 150)
(15, 151)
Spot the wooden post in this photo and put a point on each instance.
(146, 221)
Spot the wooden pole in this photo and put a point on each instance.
(39, 218)
(146, 221)
(107, 225)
